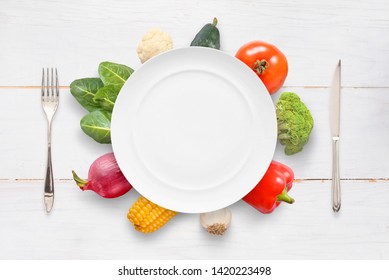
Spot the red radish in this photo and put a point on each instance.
(104, 178)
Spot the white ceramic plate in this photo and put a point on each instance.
(194, 130)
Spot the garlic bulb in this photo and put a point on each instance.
(216, 222)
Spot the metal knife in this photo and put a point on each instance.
(335, 127)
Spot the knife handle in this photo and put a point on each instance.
(335, 175)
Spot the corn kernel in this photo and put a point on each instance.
(147, 216)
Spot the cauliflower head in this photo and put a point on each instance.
(154, 42)
(294, 121)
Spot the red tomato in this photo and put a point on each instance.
(267, 61)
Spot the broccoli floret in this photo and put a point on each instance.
(294, 121)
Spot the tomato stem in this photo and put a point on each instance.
(260, 66)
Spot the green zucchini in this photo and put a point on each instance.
(208, 36)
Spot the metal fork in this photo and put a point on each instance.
(50, 101)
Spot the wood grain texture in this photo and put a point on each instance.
(364, 149)
(75, 36)
(85, 226)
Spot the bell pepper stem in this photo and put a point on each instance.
(214, 23)
(284, 196)
(80, 182)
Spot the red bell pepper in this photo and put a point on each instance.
(272, 189)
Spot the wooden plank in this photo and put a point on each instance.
(85, 226)
(363, 144)
(23, 137)
(313, 35)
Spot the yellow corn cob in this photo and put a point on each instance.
(148, 216)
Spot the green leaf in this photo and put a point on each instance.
(84, 91)
(97, 125)
(106, 97)
(113, 73)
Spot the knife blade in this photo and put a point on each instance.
(335, 133)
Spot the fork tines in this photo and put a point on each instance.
(50, 87)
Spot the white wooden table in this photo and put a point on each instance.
(75, 36)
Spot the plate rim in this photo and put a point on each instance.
(115, 133)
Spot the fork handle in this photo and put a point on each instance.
(49, 181)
